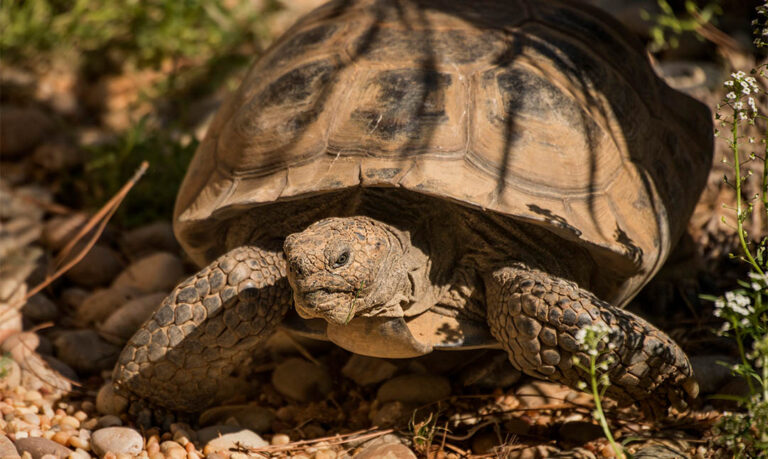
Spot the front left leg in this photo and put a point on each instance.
(536, 316)
(204, 329)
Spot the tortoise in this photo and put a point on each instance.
(404, 176)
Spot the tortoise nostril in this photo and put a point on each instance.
(297, 268)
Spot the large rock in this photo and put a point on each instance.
(85, 350)
(302, 380)
(124, 322)
(414, 388)
(118, 440)
(38, 447)
(22, 129)
(159, 272)
(99, 266)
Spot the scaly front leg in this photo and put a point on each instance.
(206, 327)
(536, 316)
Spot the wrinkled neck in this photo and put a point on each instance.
(413, 289)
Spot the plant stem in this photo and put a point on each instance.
(599, 409)
(739, 204)
(742, 354)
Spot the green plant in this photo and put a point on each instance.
(111, 165)
(144, 32)
(594, 340)
(745, 309)
(668, 26)
(423, 431)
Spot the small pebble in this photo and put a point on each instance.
(78, 442)
(61, 438)
(116, 439)
(71, 422)
(325, 454)
(280, 439)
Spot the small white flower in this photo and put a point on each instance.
(731, 95)
(728, 83)
(581, 334)
(738, 105)
(742, 116)
(581, 385)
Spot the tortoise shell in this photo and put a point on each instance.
(547, 112)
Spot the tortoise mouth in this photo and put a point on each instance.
(334, 305)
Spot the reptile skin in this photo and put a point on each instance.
(536, 316)
(207, 326)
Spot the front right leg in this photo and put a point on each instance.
(204, 329)
(536, 317)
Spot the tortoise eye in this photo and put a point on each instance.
(341, 260)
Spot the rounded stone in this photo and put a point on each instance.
(118, 440)
(232, 437)
(59, 230)
(40, 309)
(153, 237)
(159, 272)
(108, 402)
(414, 388)
(99, 266)
(301, 380)
(100, 304)
(127, 319)
(85, 350)
(365, 370)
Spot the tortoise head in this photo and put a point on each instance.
(341, 268)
